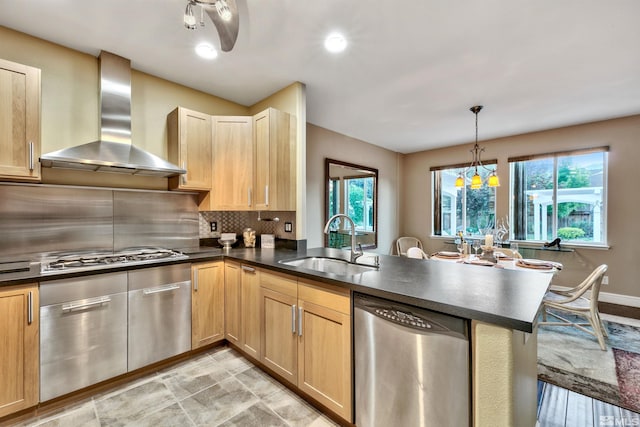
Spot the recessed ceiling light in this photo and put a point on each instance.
(335, 42)
(206, 51)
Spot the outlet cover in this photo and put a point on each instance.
(605, 280)
(214, 226)
(288, 227)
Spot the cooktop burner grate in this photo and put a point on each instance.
(81, 261)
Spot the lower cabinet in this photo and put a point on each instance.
(251, 312)
(232, 302)
(279, 297)
(307, 338)
(207, 303)
(324, 345)
(19, 352)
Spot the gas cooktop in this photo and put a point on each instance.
(94, 260)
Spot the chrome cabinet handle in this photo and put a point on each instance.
(94, 302)
(31, 152)
(293, 319)
(184, 175)
(248, 269)
(300, 311)
(266, 195)
(29, 308)
(195, 282)
(160, 289)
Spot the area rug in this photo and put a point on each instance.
(572, 359)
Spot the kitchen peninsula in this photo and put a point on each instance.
(501, 305)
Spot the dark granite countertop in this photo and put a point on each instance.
(505, 298)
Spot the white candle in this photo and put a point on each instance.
(488, 240)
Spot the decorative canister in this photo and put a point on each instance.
(249, 235)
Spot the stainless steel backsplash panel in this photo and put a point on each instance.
(39, 219)
(168, 220)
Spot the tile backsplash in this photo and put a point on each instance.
(237, 221)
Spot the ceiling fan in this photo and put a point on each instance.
(223, 13)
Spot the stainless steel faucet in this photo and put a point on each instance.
(355, 253)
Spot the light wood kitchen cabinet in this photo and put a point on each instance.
(233, 302)
(279, 338)
(324, 346)
(274, 135)
(232, 172)
(19, 352)
(207, 303)
(20, 124)
(189, 141)
(251, 312)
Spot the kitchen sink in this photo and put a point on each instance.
(329, 265)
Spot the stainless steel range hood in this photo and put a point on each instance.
(114, 151)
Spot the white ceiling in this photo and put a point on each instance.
(410, 72)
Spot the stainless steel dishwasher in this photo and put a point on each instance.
(411, 366)
(83, 332)
(159, 313)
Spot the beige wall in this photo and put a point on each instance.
(623, 201)
(323, 143)
(293, 100)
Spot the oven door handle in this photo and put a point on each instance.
(160, 289)
(91, 303)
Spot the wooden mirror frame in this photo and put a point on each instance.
(327, 164)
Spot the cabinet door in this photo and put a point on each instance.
(262, 159)
(232, 182)
(275, 160)
(251, 324)
(324, 346)
(189, 137)
(19, 352)
(207, 303)
(279, 341)
(232, 302)
(324, 357)
(20, 124)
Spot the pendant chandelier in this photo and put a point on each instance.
(476, 180)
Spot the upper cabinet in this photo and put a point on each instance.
(189, 138)
(274, 136)
(254, 163)
(19, 122)
(232, 177)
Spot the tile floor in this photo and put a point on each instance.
(217, 388)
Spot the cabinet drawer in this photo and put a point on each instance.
(278, 282)
(333, 297)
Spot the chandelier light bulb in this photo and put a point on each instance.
(460, 181)
(493, 180)
(223, 10)
(476, 181)
(189, 18)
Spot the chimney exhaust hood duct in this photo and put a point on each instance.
(114, 151)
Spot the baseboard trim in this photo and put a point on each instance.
(612, 298)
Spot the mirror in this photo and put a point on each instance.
(351, 190)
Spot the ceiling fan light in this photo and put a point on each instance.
(460, 181)
(493, 180)
(189, 17)
(223, 10)
(476, 182)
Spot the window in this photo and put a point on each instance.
(461, 209)
(560, 195)
(351, 190)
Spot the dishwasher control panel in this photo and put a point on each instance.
(402, 317)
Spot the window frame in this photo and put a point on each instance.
(436, 198)
(515, 184)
